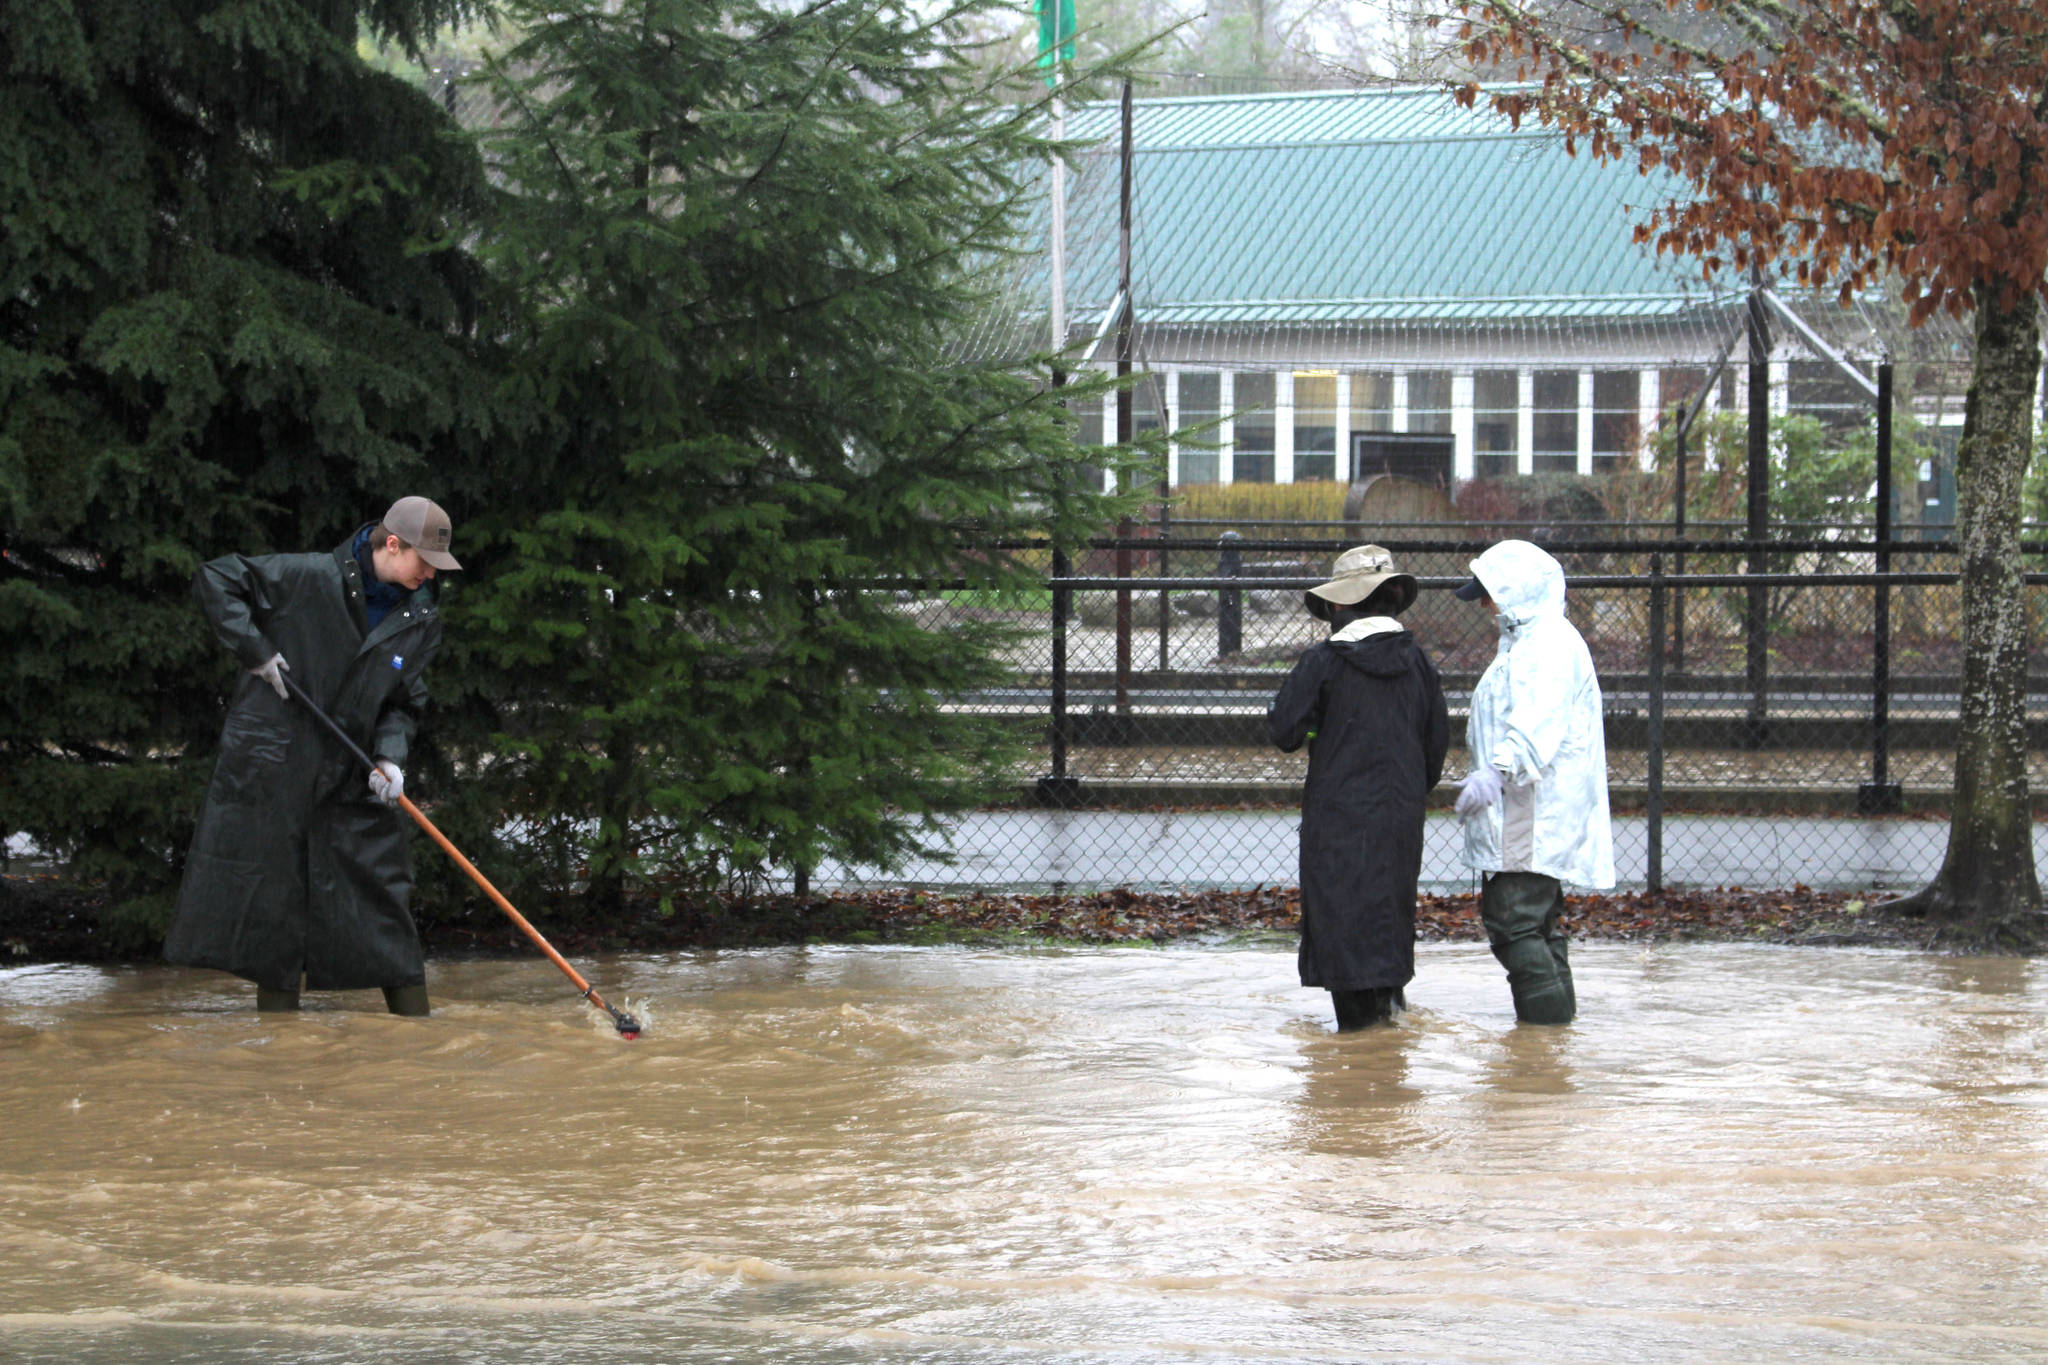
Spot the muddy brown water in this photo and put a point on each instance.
(955, 1155)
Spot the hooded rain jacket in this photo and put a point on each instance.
(1536, 716)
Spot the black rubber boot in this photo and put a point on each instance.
(408, 1000)
(1362, 1009)
(271, 1001)
(1520, 911)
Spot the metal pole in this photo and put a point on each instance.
(1881, 795)
(1124, 399)
(1059, 233)
(1678, 529)
(1229, 601)
(1165, 532)
(1056, 788)
(1653, 812)
(1756, 623)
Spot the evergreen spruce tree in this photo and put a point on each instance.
(748, 235)
(230, 319)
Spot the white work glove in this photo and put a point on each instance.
(387, 783)
(1480, 790)
(272, 671)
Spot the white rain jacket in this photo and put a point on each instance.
(1536, 717)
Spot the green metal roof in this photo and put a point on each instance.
(1362, 207)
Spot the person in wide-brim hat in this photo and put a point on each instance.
(1358, 573)
(1370, 706)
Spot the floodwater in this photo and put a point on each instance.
(951, 1155)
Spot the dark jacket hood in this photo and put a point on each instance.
(1386, 655)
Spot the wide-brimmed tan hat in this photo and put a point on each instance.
(1358, 572)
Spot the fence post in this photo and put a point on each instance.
(1229, 601)
(1124, 532)
(1057, 788)
(1653, 804)
(1678, 556)
(1125, 415)
(1165, 534)
(1756, 618)
(1880, 795)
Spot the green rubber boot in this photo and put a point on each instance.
(407, 1000)
(1520, 911)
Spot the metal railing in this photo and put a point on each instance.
(1801, 729)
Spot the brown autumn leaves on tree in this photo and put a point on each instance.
(1854, 146)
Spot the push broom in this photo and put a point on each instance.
(628, 1026)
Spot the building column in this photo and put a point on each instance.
(1461, 425)
(1283, 427)
(1525, 421)
(1343, 462)
(1400, 400)
(1170, 395)
(1226, 432)
(1649, 408)
(1585, 421)
(1108, 436)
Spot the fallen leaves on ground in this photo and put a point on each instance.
(42, 921)
(1123, 915)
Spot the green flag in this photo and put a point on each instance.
(1055, 34)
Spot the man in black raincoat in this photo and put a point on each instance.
(1371, 707)
(300, 867)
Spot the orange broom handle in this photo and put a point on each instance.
(627, 1025)
(589, 992)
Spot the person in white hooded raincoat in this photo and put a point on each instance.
(1535, 803)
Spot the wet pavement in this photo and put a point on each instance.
(1036, 849)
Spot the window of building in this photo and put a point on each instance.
(1315, 426)
(1253, 459)
(1496, 406)
(1555, 432)
(1201, 403)
(1087, 414)
(1146, 395)
(1372, 401)
(1678, 387)
(1422, 456)
(1617, 418)
(1815, 388)
(1429, 401)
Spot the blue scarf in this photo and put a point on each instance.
(378, 598)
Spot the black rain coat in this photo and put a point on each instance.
(1375, 709)
(294, 867)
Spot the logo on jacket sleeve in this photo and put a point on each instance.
(398, 661)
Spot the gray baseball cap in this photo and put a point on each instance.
(421, 523)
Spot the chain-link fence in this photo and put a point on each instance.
(1797, 727)
(1797, 723)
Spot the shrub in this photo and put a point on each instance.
(1320, 500)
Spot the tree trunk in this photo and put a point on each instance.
(1987, 893)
